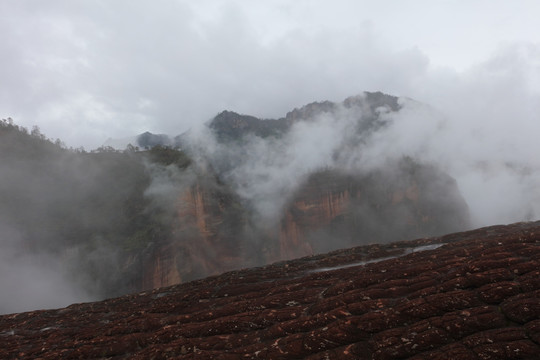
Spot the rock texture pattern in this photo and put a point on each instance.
(471, 295)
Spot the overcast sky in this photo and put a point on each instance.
(84, 71)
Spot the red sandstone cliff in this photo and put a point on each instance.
(333, 209)
(336, 209)
(312, 209)
(203, 241)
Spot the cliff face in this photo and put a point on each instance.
(219, 229)
(334, 209)
(204, 240)
(161, 268)
(319, 204)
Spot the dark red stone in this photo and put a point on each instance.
(477, 297)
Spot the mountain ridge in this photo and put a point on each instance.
(230, 124)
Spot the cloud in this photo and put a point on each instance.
(88, 71)
(32, 281)
(488, 138)
(480, 126)
(267, 171)
(98, 70)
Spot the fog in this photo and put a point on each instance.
(489, 151)
(64, 221)
(489, 141)
(89, 71)
(31, 281)
(97, 70)
(267, 171)
(498, 186)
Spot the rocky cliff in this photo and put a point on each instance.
(221, 227)
(215, 232)
(206, 237)
(470, 296)
(336, 209)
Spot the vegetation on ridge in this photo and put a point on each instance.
(88, 207)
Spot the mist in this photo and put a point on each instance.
(494, 173)
(478, 126)
(354, 136)
(482, 76)
(32, 281)
(488, 143)
(91, 71)
(67, 221)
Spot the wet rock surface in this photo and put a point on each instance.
(471, 295)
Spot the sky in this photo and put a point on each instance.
(88, 70)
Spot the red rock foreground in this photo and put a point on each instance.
(475, 297)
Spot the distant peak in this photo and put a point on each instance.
(374, 100)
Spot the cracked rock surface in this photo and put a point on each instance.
(472, 295)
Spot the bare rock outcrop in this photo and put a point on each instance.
(336, 209)
(204, 239)
(472, 295)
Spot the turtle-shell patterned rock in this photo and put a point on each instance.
(472, 295)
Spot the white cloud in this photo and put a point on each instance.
(32, 281)
(89, 70)
(192, 60)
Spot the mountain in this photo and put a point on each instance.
(245, 192)
(229, 125)
(469, 295)
(333, 209)
(226, 223)
(145, 140)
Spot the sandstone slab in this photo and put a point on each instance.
(472, 295)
